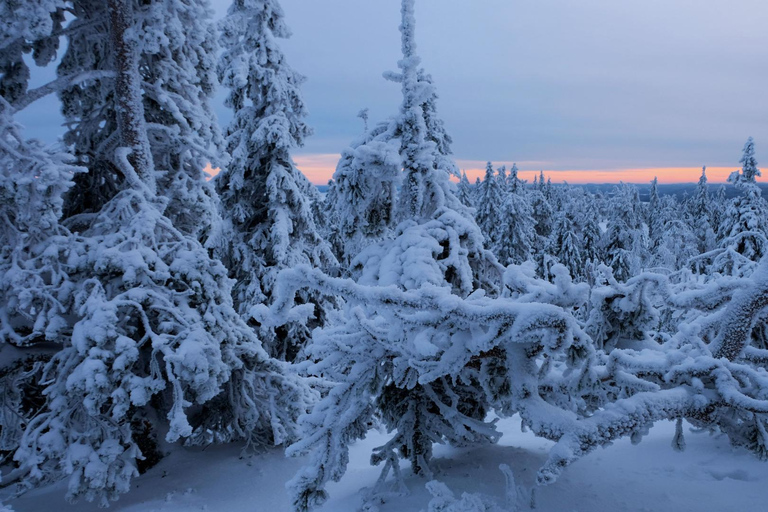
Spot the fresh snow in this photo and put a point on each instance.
(709, 475)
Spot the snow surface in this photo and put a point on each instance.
(709, 475)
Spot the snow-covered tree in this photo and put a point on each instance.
(591, 235)
(176, 45)
(543, 216)
(35, 284)
(744, 228)
(501, 175)
(624, 242)
(653, 211)
(436, 249)
(270, 224)
(514, 184)
(363, 203)
(566, 247)
(464, 191)
(516, 234)
(144, 338)
(700, 208)
(489, 202)
(420, 363)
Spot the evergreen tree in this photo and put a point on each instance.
(719, 208)
(464, 191)
(565, 246)
(363, 203)
(436, 247)
(590, 240)
(143, 338)
(514, 183)
(653, 210)
(624, 243)
(501, 176)
(744, 229)
(675, 242)
(176, 45)
(489, 201)
(34, 280)
(270, 223)
(701, 215)
(516, 231)
(542, 216)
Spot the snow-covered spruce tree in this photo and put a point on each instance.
(543, 215)
(436, 255)
(35, 286)
(744, 229)
(565, 246)
(516, 233)
(700, 211)
(624, 243)
(652, 212)
(269, 219)
(501, 175)
(588, 221)
(464, 191)
(32, 274)
(489, 201)
(177, 48)
(719, 209)
(674, 242)
(514, 184)
(148, 341)
(363, 203)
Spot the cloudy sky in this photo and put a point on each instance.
(588, 90)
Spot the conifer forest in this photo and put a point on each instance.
(407, 340)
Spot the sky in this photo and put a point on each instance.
(588, 90)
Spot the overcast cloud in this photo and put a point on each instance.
(570, 84)
(557, 84)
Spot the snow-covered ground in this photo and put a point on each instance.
(709, 476)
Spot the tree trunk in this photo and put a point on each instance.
(745, 306)
(130, 109)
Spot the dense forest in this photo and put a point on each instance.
(143, 304)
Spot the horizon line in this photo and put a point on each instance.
(319, 169)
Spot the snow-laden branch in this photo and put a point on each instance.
(60, 83)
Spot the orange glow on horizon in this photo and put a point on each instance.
(319, 168)
(582, 176)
